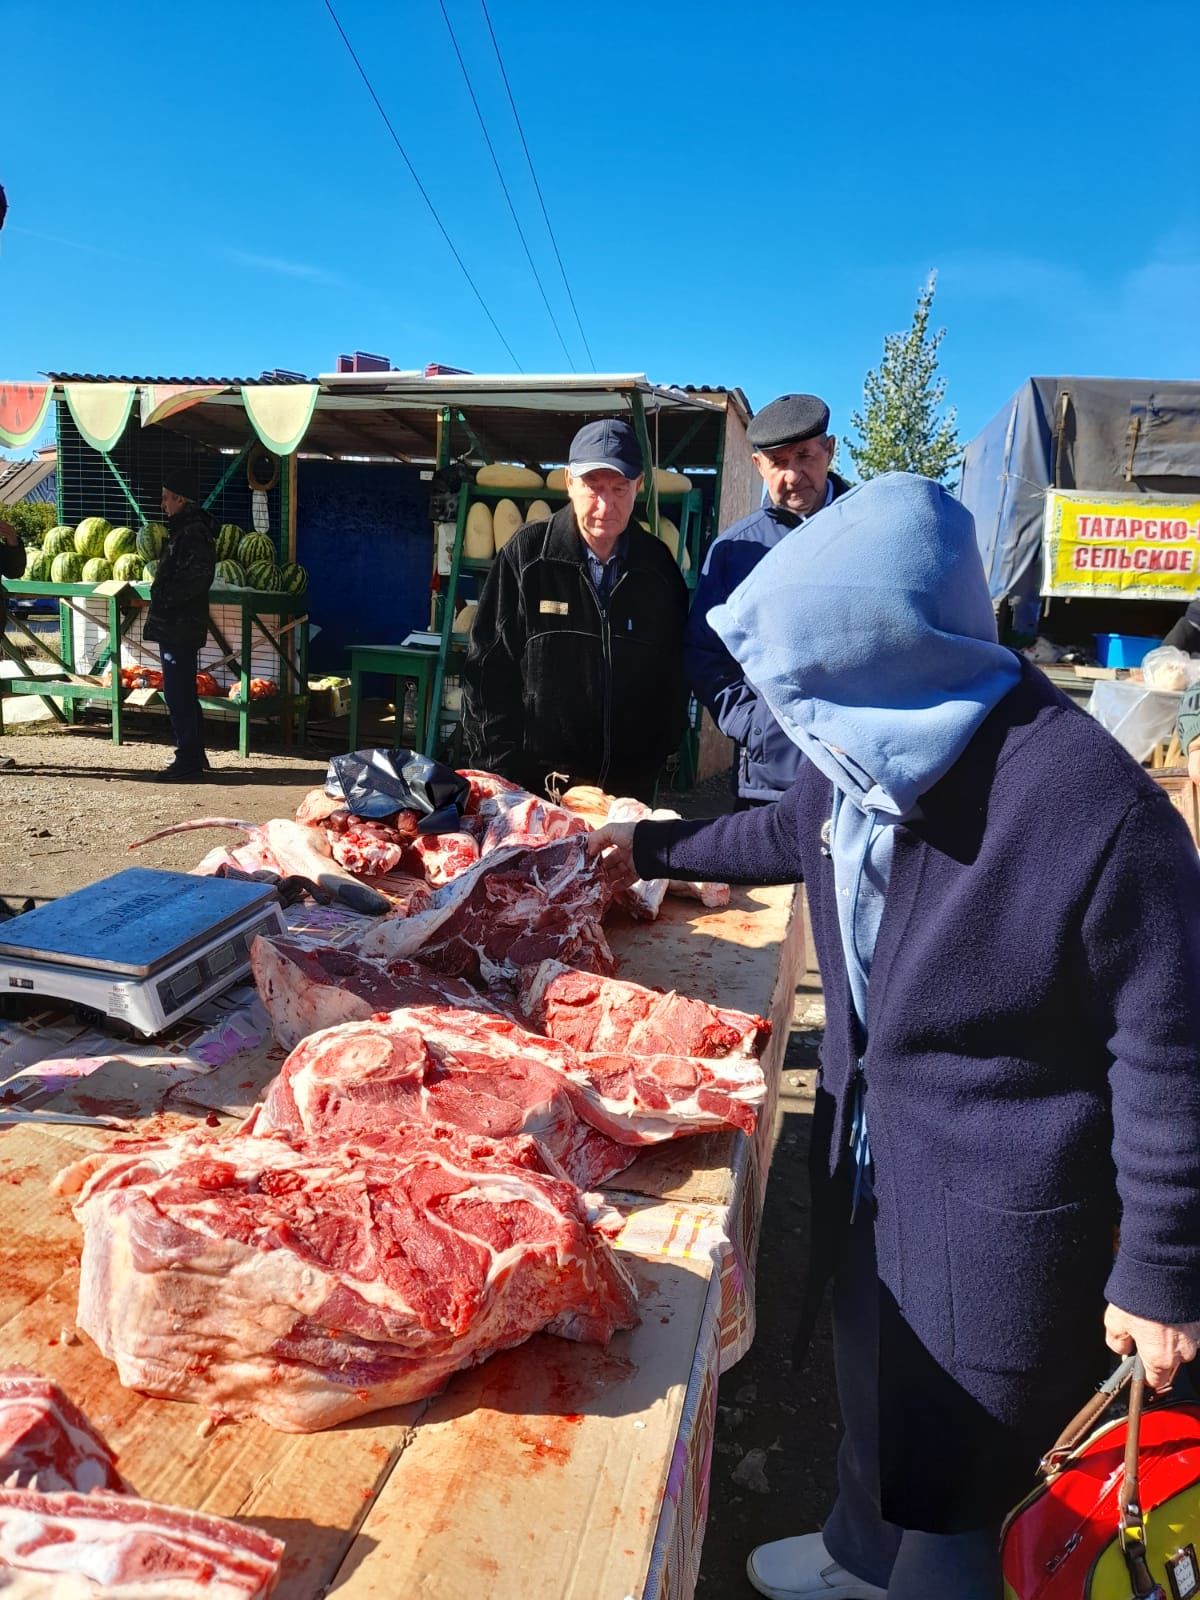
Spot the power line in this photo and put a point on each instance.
(537, 185)
(512, 209)
(421, 187)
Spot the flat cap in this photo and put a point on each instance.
(791, 417)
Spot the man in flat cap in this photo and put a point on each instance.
(178, 618)
(574, 672)
(793, 450)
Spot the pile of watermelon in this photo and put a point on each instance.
(95, 551)
(247, 561)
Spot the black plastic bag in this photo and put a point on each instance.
(378, 783)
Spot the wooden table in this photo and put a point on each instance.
(555, 1469)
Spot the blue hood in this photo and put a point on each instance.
(873, 639)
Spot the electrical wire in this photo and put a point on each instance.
(420, 186)
(508, 197)
(537, 186)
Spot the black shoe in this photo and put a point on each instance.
(176, 773)
(6, 762)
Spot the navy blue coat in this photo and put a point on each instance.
(1033, 1080)
(767, 760)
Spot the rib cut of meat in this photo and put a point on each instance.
(47, 1443)
(308, 1282)
(516, 907)
(648, 1099)
(483, 1074)
(86, 1546)
(306, 989)
(599, 1014)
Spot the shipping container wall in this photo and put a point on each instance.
(363, 532)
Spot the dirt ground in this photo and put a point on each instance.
(69, 810)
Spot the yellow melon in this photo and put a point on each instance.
(502, 476)
(479, 543)
(506, 519)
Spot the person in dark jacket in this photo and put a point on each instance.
(12, 565)
(178, 619)
(792, 452)
(575, 668)
(1007, 915)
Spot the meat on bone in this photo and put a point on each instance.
(297, 851)
(641, 898)
(47, 1443)
(600, 1014)
(305, 988)
(439, 857)
(316, 807)
(516, 907)
(68, 1546)
(309, 1282)
(430, 1065)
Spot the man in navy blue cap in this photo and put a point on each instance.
(793, 449)
(575, 667)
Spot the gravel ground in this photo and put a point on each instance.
(74, 803)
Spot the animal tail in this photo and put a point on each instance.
(248, 828)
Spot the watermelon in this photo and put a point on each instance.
(263, 575)
(150, 541)
(230, 575)
(90, 536)
(255, 550)
(128, 568)
(228, 541)
(119, 542)
(37, 566)
(293, 579)
(148, 571)
(97, 570)
(67, 567)
(58, 541)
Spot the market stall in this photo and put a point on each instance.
(553, 1468)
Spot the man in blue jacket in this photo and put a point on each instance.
(1006, 911)
(793, 450)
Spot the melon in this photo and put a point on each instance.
(58, 541)
(538, 511)
(150, 572)
(254, 550)
(90, 536)
(127, 568)
(557, 479)
(228, 542)
(230, 575)
(464, 619)
(263, 575)
(669, 534)
(150, 541)
(506, 519)
(671, 482)
(293, 578)
(37, 566)
(97, 570)
(119, 542)
(502, 476)
(67, 567)
(479, 543)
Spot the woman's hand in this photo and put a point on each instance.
(1162, 1346)
(617, 839)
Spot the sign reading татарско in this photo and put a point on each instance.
(1143, 548)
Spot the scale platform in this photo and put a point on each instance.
(144, 947)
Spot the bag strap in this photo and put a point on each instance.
(1131, 1527)
(1081, 1424)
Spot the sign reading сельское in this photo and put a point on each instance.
(1144, 548)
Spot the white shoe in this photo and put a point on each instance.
(802, 1569)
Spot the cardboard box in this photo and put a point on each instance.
(327, 700)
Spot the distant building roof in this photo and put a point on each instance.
(277, 376)
(28, 480)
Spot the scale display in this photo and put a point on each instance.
(145, 946)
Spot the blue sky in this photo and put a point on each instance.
(743, 195)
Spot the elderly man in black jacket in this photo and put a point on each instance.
(575, 669)
(12, 565)
(178, 619)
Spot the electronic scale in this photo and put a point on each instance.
(144, 947)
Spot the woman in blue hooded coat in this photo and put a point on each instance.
(1007, 917)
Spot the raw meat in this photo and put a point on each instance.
(297, 851)
(316, 807)
(86, 1546)
(305, 989)
(711, 894)
(47, 1443)
(648, 1099)
(427, 1065)
(595, 1013)
(640, 898)
(439, 857)
(516, 907)
(485, 785)
(367, 847)
(308, 1282)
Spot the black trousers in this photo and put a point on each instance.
(183, 703)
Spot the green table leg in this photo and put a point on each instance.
(114, 666)
(244, 709)
(355, 687)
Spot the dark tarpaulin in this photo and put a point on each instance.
(1107, 435)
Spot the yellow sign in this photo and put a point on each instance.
(1143, 548)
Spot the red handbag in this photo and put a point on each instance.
(1117, 1513)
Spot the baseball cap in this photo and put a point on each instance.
(607, 445)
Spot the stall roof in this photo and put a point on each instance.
(518, 417)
